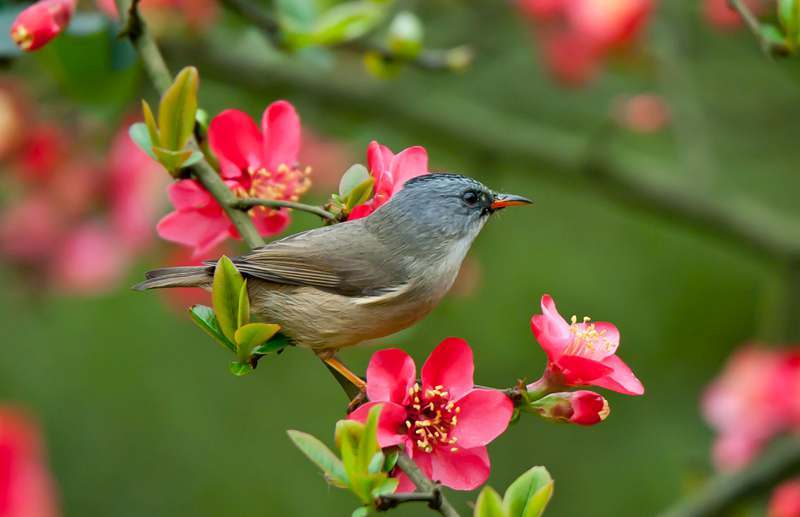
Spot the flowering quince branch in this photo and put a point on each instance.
(248, 203)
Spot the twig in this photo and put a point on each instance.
(156, 68)
(771, 48)
(387, 502)
(424, 484)
(719, 494)
(427, 59)
(248, 203)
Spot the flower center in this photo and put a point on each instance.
(285, 184)
(586, 339)
(432, 416)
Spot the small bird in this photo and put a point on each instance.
(340, 285)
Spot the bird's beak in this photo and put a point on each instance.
(504, 200)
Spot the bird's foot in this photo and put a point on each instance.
(357, 401)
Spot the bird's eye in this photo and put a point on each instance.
(470, 197)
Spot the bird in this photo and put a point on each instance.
(341, 285)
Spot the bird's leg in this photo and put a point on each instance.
(345, 372)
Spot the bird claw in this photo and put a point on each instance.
(357, 401)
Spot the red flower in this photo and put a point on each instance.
(588, 408)
(582, 353)
(785, 500)
(41, 22)
(751, 402)
(254, 163)
(89, 261)
(390, 172)
(26, 487)
(444, 424)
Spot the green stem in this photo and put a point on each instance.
(159, 74)
(248, 203)
(769, 47)
(779, 462)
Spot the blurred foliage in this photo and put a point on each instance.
(141, 416)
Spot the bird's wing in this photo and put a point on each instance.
(345, 258)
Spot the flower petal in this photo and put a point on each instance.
(483, 416)
(464, 469)
(390, 374)
(270, 222)
(193, 228)
(409, 163)
(579, 371)
(188, 194)
(280, 126)
(234, 136)
(361, 211)
(390, 423)
(450, 365)
(621, 379)
(609, 337)
(551, 330)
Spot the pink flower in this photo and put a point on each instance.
(609, 23)
(254, 163)
(26, 487)
(642, 113)
(582, 353)
(390, 172)
(751, 402)
(576, 407)
(89, 261)
(29, 228)
(444, 424)
(785, 500)
(41, 22)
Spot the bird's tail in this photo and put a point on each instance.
(185, 276)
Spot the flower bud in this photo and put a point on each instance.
(577, 407)
(41, 22)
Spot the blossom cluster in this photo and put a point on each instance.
(73, 222)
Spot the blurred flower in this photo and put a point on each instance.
(135, 187)
(719, 13)
(577, 407)
(444, 424)
(44, 149)
(785, 500)
(161, 14)
(643, 113)
(576, 36)
(260, 164)
(582, 353)
(751, 402)
(390, 172)
(26, 487)
(28, 229)
(89, 261)
(39, 23)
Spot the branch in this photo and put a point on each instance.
(156, 68)
(627, 178)
(770, 47)
(424, 484)
(387, 502)
(719, 494)
(248, 203)
(452, 59)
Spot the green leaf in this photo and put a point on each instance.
(405, 35)
(361, 511)
(380, 67)
(249, 336)
(141, 137)
(360, 194)
(375, 465)
(240, 369)
(204, 318)
(774, 35)
(243, 314)
(275, 343)
(225, 295)
(489, 504)
(296, 15)
(178, 108)
(352, 177)
(391, 459)
(150, 122)
(387, 487)
(529, 494)
(368, 445)
(172, 160)
(321, 456)
(346, 21)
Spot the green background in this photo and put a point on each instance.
(141, 416)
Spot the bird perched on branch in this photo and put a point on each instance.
(340, 285)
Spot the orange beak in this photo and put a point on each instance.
(504, 200)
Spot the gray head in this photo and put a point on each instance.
(443, 206)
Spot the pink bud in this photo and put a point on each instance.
(577, 407)
(41, 22)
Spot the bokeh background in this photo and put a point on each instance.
(139, 412)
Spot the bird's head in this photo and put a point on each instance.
(445, 205)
